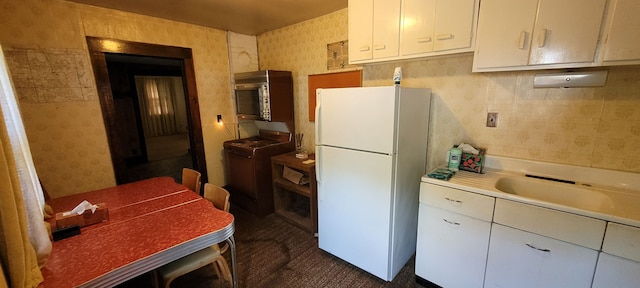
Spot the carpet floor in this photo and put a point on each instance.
(274, 253)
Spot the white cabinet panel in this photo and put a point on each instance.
(451, 249)
(566, 31)
(577, 229)
(616, 272)
(504, 33)
(458, 201)
(374, 29)
(622, 43)
(418, 20)
(622, 240)
(437, 25)
(360, 29)
(526, 34)
(521, 259)
(454, 24)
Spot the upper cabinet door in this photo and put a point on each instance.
(374, 29)
(437, 25)
(386, 28)
(360, 30)
(454, 24)
(504, 33)
(418, 20)
(566, 31)
(622, 43)
(527, 34)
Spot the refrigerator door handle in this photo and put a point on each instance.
(318, 174)
(318, 104)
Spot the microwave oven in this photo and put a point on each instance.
(253, 101)
(265, 95)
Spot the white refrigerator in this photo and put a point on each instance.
(371, 146)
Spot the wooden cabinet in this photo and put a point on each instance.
(431, 27)
(374, 29)
(537, 34)
(451, 241)
(295, 202)
(521, 259)
(621, 44)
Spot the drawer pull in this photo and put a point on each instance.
(453, 201)
(379, 47)
(424, 39)
(444, 36)
(451, 222)
(365, 48)
(539, 249)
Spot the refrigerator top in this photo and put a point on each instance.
(367, 118)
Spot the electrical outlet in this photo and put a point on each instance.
(492, 119)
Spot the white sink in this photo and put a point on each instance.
(558, 193)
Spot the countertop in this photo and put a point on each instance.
(621, 187)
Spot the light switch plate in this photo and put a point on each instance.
(492, 119)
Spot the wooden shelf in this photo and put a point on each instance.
(303, 190)
(293, 202)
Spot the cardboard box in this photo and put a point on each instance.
(87, 218)
(473, 163)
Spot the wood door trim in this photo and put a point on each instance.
(97, 49)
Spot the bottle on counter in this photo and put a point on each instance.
(455, 154)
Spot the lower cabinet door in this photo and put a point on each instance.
(451, 249)
(613, 271)
(522, 259)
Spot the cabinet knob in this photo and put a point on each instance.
(365, 48)
(444, 36)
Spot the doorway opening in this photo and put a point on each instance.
(150, 107)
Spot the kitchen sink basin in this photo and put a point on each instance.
(557, 192)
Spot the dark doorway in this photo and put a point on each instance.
(135, 156)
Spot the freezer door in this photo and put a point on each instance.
(360, 118)
(354, 207)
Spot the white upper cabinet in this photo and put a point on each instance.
(438, 25)
(622, 43)
(383, 30)
(374, 29)
(532, 34)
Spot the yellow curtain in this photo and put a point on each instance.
(17, 256)
(24, 242)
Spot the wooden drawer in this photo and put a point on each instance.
(622, 240)
(572, 228)
(458, 201)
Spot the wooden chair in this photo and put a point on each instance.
(210, 255)
(191, 179)
(219, 197)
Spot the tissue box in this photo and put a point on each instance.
(84, 219)
(473, 163)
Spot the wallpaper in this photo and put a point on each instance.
(593, 127)
(46, 47)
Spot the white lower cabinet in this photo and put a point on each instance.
(522, 259)
(614, 271)
(618, 264)
(452, 248)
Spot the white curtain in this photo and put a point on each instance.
(157, 105)
(28, 206)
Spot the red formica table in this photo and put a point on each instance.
(151, 223)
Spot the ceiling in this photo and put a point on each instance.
(249, 17)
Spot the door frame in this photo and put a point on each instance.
(97, 49)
